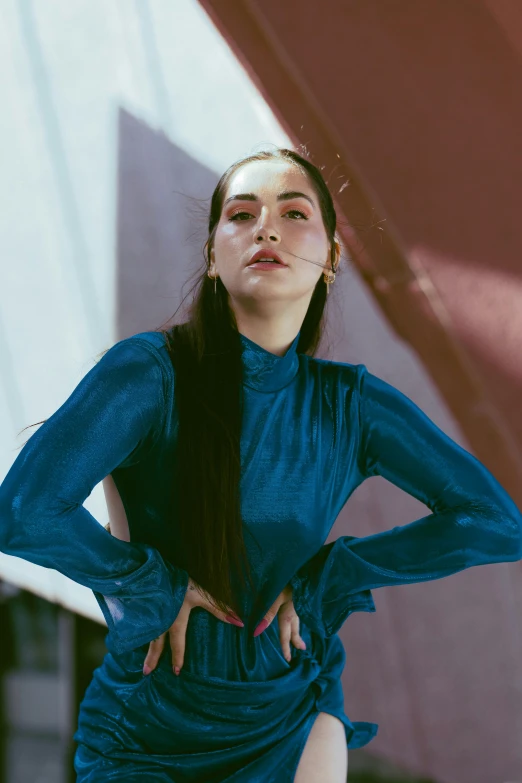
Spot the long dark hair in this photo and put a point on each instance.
(205, 351)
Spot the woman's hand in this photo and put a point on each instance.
(178, 630)
(118, 527)
(288, 618)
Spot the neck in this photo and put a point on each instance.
(273, 325)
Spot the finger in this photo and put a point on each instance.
(265, 622)
(198, 597)
(297, 641)
(153, 655)
(269, 616)
(226, 617)
(177, 636)
(285, 633)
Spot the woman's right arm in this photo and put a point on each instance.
(116, 411)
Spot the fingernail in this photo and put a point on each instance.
(146, 669)
(303, 645)
(176, 670)
(261, 627)
(235, 621)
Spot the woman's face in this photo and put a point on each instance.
(292, 227)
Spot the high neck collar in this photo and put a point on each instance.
(267, 371)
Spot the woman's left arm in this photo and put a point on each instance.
(473, 521)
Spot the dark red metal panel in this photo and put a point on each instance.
(414, 111)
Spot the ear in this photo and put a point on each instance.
(337, 245)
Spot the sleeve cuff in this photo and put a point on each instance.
(144, 604)
(320, 593)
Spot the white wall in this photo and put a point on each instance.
(68, 68)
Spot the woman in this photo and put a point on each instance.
(229, 445)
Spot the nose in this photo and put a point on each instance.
(261, 236)
(262, 230)
(262, 233)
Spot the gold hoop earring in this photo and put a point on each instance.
(329, 277)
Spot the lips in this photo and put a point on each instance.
(266, 254)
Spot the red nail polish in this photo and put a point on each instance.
(235, 621)
(261, 627)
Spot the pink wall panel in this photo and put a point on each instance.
(414, 109)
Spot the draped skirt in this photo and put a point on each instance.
(205, 729)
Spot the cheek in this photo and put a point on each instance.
(228, 236)
(312, 237)
(314, 248)
(226, 228)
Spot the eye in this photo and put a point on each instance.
(297, 211)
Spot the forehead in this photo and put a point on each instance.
(268, 176)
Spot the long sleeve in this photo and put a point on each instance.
(115, 414)
(473, 521)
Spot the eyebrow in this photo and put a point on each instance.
(286, 195)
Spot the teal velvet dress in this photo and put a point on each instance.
(313, 430)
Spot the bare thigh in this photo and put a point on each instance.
(325, 755)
